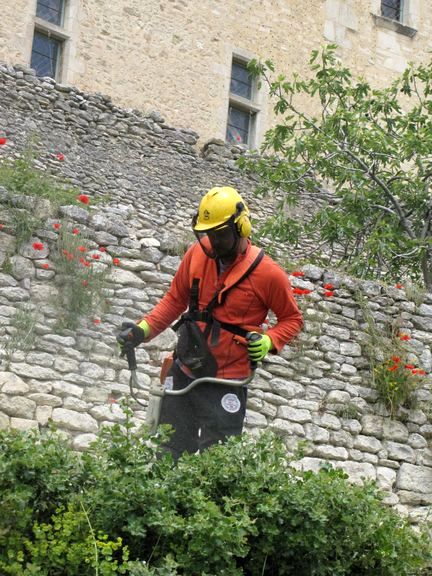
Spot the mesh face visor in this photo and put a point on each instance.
(222, 240)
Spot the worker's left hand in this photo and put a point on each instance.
(258, 348)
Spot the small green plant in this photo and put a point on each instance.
(80, 277)
(348, 411)
(396, 381)
(23, 334)
(23, 224)
(394, 375)
(415, 292)
(20, 176)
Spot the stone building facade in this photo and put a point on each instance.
(176, 56)
(318, 391)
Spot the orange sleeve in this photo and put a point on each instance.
(174, 302)
(278, 296)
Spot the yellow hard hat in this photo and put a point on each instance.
(218, 206)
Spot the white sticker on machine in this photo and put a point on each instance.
(230, 403)
(169, 383)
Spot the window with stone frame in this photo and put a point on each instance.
(242, 110)
(46, 52)
(392, 9)
(51, 11)
(49, 38)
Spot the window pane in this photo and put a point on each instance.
(391, 9)
(45, 53)
(241, 81)
(238, 126)
(50, 10)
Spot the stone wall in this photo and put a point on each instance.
(317, 391)
(175, 55)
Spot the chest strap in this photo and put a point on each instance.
(206, 315)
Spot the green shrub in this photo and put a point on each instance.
(124, 507)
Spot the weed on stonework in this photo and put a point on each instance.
(21, 334)
(81, 279)
(394, 374)
(124, 507)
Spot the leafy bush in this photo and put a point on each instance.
(124, 507)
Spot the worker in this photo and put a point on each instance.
(228, 286)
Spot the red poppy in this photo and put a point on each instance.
(421, 372)
(1, 226)
(409, 366)
(37, 246)
(116, 262)
(102, 249)
(75, 231)
(396, 359)
(328, 286)
(414, 371)
(301, 291)
(405, 337)
(3, 141)
(95, 256)
(60, 157)
(398, 286)
(393, 368)
(85, 283)
(83, 198)
(56, 226)
(82, 248)
(45, 266)
(96, 321)
(329, 294)
(297, 273)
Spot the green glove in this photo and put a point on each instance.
(258, 348)
(144, 325)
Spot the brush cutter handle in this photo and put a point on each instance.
(208, 380)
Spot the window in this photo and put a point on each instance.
(392, 9)
(49, 37)
(45, 54)
(242, 110)
(51, 11)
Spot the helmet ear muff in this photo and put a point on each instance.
(243, 224)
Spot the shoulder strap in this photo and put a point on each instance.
(205, 315)
(214, 301)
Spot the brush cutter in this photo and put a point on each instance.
(157, 391)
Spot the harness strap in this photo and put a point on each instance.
(195, 315)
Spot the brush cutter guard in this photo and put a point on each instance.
(157, 392)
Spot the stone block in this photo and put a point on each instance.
(23, 424)
(11, 383)
(367, 444)
(75, 421)
(294, 414)
(414, 478)
(17, 406)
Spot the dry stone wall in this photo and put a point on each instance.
(317, 392)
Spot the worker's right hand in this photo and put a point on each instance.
(133, 333)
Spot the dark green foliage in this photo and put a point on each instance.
(371, 147)
(124, 507)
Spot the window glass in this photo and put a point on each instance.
(50, 10)
(241, 81)
(391, 9)
(45, 54)
(238, 127)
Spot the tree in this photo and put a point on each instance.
(371, 147)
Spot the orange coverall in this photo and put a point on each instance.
(266, 288)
